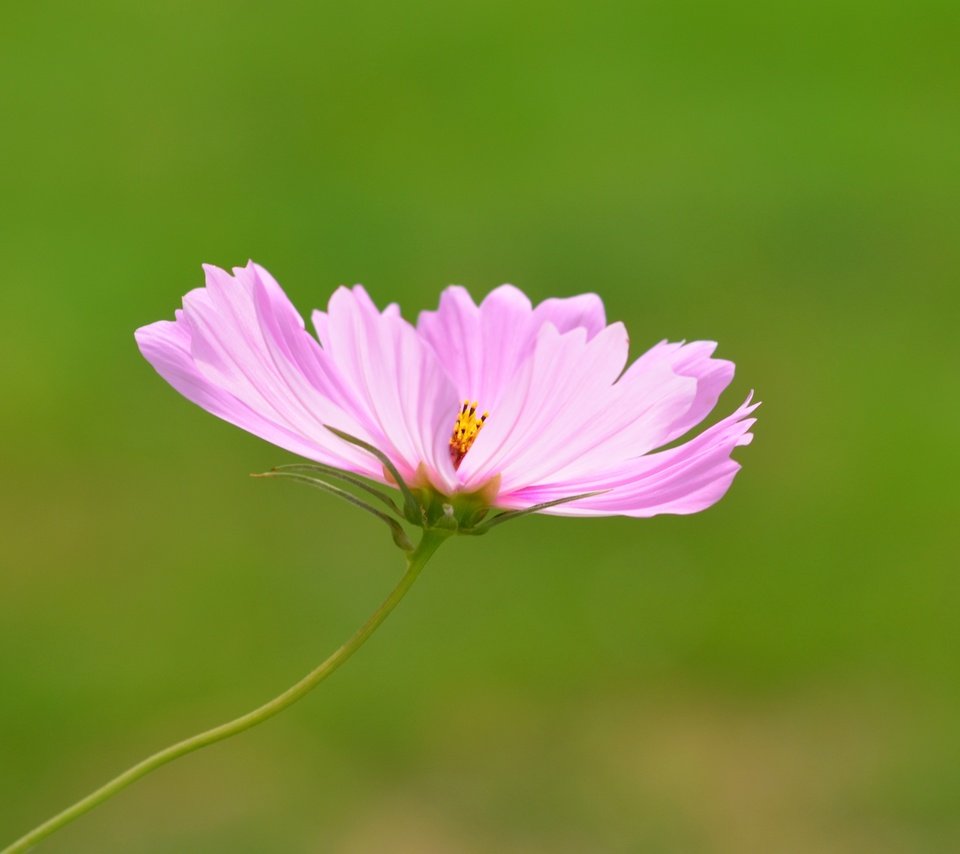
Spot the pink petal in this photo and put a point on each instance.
(690, 360)
(681, 480)
(240, 350)
(400, 390)
(664, 393)
(569, 416)
(455, 334)
(564, 384)
(482, 347)
(582, 311)
(217, 356)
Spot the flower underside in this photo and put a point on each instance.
(465, 431)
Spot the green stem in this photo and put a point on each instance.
(415, 562)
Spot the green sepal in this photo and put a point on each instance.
(352, 479)
(411, 508)
(398, 534)
(509, 515)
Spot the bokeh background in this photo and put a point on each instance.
(777, 674)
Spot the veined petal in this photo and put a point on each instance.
(582, 311)
(680, 480)
(665, 392)
(558, 389)
(250, 362)
(482, 347)
(690, 360)
(455, 334)
(400, 389)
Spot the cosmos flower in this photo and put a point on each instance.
(523, 405)
(502, 405)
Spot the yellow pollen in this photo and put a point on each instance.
(465, 430)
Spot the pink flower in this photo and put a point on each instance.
(523, 404)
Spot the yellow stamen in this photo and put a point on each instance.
(465, 430)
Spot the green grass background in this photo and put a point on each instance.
(777, 674)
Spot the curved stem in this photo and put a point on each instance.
(415, 562)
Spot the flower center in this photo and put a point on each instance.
(465, 430)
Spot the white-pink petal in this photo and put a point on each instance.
(564, 383)
(690, 360)
(681, 480)
(482, 347)
(222, 352)
(400, 388)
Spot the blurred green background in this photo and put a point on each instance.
(777, 674)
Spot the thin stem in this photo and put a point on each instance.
(415, 562)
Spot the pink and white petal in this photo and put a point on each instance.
(664, 393)
(482, 347)
(694, 360)
(303, 365)
(167, 347)
(241, 333)
(680, 480)
(506, 336)
(622, 422)
(712, 376)
(560, 388)
(319, 320)
(454, 332)
(582, 311)
(401, 390)
(580, 418)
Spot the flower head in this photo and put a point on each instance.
(524, 405)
